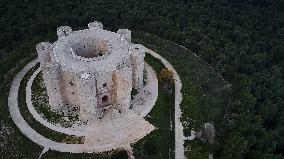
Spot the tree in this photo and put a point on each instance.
(166, 77)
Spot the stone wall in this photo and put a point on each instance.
(68, 88)
(51, 75)
(87, 97)
(123, 87)
(63, 31)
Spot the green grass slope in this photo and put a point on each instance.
(205, 93)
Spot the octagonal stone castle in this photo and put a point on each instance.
(91, 70)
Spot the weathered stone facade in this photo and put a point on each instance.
(91, 69)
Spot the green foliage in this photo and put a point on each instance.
(167, 81)
(17, 143)
(150, 148)
(235, 147)
(196, 150)
(208, 98)
(191, 107)
(242, 40)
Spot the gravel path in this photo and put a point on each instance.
(179, 137)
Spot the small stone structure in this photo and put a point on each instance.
(91, 70)
(207, 133)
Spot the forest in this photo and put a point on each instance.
(242, 40)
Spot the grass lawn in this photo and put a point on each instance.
(204, 90)
(13, 143)
(159, 143)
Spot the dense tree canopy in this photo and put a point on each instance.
(242, 40)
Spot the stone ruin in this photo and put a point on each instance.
(206, 133)
(91, 70)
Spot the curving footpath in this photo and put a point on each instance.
(24, 126)
(80, 148)
(179, 137)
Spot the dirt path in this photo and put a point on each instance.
(179, 137)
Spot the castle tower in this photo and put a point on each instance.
(51, 75)
(137, 59)
(91, 69)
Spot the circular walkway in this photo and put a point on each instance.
(129, 127)
(92, 146)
